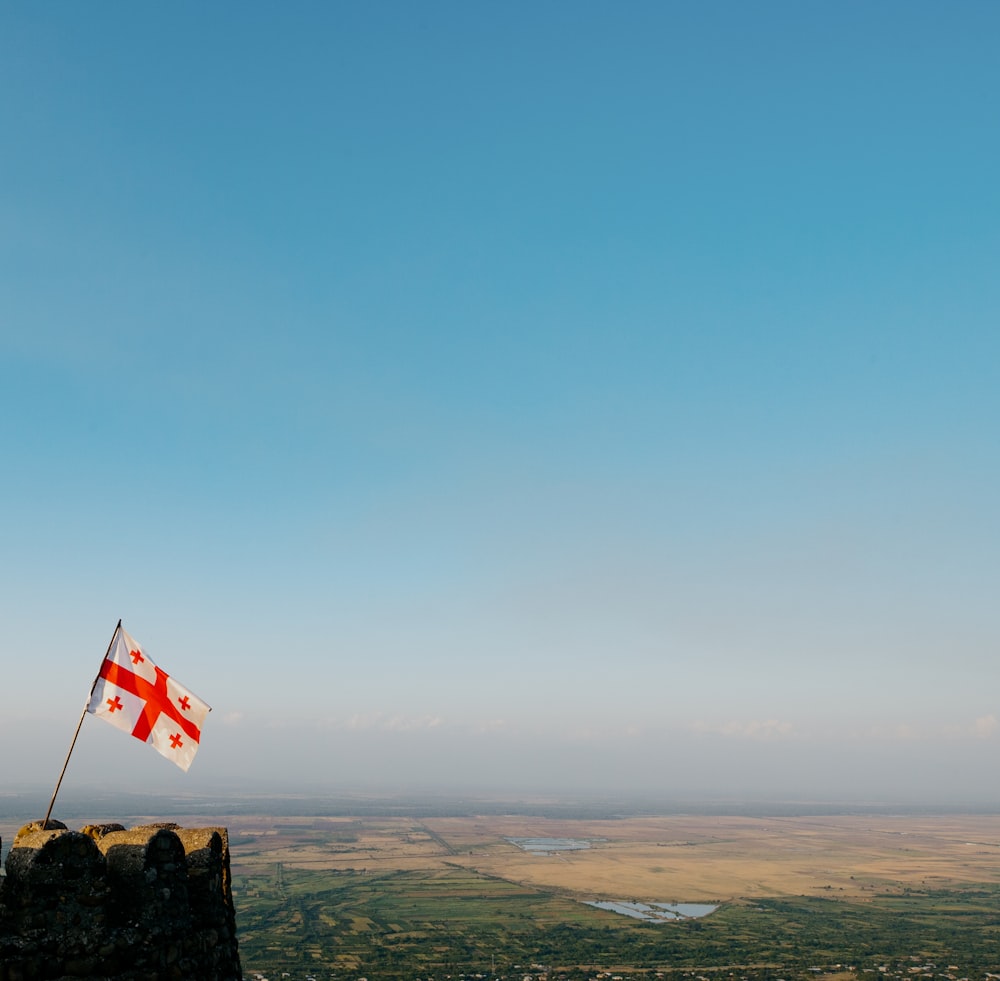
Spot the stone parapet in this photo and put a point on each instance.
(152, 903)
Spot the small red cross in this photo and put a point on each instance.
(115, 704)
(184, 703)
(136, 656)
(175, 740)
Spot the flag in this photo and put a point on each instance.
(133, 694)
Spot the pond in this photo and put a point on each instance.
(657, 912)
(546, 846)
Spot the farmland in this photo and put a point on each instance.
(800, 896)
(352, 888)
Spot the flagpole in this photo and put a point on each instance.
(79, 725)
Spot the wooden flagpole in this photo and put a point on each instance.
(79, 725)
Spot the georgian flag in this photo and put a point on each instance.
(133, 694)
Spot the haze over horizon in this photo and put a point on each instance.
(552, 398)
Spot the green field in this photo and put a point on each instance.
(388, 889)
(453, 921)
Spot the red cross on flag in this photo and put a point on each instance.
(133, 694)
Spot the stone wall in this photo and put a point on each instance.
(153, 903)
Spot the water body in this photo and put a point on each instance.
(657, 912)
(546, 846)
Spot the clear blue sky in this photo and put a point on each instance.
(561, 395)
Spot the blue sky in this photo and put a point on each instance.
(544, 396)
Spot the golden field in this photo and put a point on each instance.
(665, 859)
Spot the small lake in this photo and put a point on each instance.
(657, 912)
(546, 846)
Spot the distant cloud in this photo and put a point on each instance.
(395, 723)
(361, 722)
(752, 729)
(400, 723)
(492, 725)
(985, 726)
(232, 718)
(904, 732)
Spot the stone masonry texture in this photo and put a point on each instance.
(151, 903)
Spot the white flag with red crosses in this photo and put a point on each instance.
(133, 694)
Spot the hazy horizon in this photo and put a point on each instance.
(80, 805)
(573, 398)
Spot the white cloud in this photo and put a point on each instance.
(404, 724)
(362, 722)
(985, 726)
(396, 723)
(751, 729)
(492, 725)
